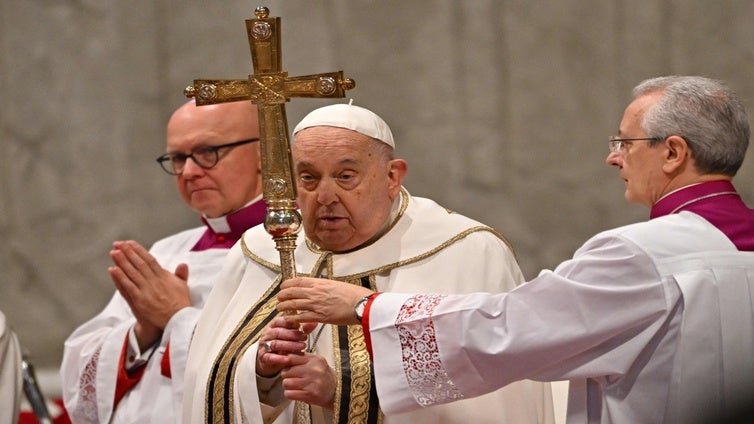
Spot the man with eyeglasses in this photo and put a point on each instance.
(651, 322)
(126, 364)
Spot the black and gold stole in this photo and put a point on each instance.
(356, 394)
(219, 408)
(355, 400)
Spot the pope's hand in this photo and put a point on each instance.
(320, 300)
(279, 339)
(310, 379)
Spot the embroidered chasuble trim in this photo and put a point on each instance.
(219, 406)
(355, 400)
(384, 268)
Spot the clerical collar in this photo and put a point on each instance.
(224, 231)
(686, 197)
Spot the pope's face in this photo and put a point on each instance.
(640, 165)
(346, 186)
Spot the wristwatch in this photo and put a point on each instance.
(360, 306)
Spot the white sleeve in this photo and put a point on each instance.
(91, 354)
(563, 324)
(10, 374)
(179, 331)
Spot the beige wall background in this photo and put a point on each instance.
(502, 109)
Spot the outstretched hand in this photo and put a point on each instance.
(153, 293)
(320, 300)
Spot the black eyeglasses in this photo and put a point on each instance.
(206, 157)
(616, 144)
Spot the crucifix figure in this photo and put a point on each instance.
(269, 87)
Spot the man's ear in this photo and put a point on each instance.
(397, 169)
(677, 154)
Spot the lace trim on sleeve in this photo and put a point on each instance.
(86, 407)
(425, 372)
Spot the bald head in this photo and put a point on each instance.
(236, 178)
(236, 119)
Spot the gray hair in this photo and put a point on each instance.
(706, 113)
(384, 150)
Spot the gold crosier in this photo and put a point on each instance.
(269, 88)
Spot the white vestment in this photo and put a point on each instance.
(426, 249)
(90, 364)
(10, 374)
(651, 323)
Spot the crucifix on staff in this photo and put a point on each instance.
(269, 87)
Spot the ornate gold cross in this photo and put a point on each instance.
(269, 87)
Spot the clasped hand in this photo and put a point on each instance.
(153, 293)
(307, 377)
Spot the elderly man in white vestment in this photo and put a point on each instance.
(10, 374)
(126, 364)
(651, 323)
(362, 227)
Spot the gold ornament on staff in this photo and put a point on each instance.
(269, 87)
